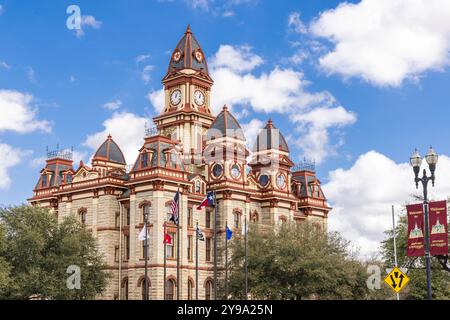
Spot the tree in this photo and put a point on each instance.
(416, 289)
(38, 250)
(296, 262)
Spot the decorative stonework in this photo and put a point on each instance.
(112, 195)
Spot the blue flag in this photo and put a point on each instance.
(229, 233)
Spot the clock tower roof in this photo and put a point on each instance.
(188, 54)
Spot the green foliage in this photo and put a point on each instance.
(37, 251)
(296, 262)
(416, 289)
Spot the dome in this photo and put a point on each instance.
(270, 138)
(110, 151)
(188, 55)
(225, 124)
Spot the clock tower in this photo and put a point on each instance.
(187, 87)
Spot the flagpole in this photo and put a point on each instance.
(178, 246)
(146, 255)
(226, 259)
(165, 259)
(215, 246)
(196, 261)
(245, 258)
(395, 244)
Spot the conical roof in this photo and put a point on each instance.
(270, 138)
(188, 54)
(110, 151)
(225, 124)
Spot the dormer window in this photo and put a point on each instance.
(44, 180)
(144, 160)
(197, 186)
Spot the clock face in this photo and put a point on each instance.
(198, 56)
(175, 97)
(281, 181)
(199, 98)
(177, 55)
(217, 170)
(235, 171)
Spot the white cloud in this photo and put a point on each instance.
(87, 22)
(278, 90)
(127, 130)
(142, 57)
(239, 59)
(251, 131)
(113, 105)
(296, 23)
(156, 98)
(298, 57)
(199, 4)
(9, 157)
(18, 114)
(4, 65)
(385, 42)
(228, 14)
(37, 163)
(31, 74)
(315, 126)
(77, 156)
(362, 195)
(145, 75)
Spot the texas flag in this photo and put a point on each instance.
(208, 201)
(167, 239)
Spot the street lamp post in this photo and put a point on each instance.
(415, 160)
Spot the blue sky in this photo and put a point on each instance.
(353, 89)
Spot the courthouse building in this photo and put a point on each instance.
(193, 151)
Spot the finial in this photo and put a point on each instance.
(225, 108)
(188, 29)
(269, 122)
(109, 136)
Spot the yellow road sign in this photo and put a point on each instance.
(396, 279)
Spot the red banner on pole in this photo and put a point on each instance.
(438, 228)
(416, 247)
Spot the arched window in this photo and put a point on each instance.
(190, 289)
(125, 289)
(254, 216)
(237, 218)
(142, 285)
(170, 289)
(146, 211)
(198, 185)
(82, 215)
(168, 210)
(208, 289)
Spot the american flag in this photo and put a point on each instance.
(174, 208)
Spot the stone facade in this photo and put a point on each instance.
(190, 152)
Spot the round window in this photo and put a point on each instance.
(217, 170)
(235, 171)
(264, 180)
